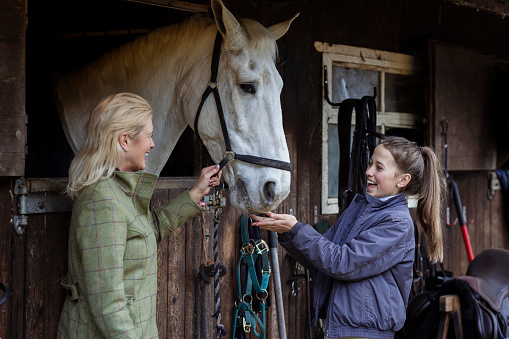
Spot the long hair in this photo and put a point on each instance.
(101, 152)
(427, 182)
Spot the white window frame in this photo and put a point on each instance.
(367, 59)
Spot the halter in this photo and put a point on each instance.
(230, 154)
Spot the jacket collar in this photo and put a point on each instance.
(139, 185)
(377, 203)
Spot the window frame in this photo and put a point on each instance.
(367, 59)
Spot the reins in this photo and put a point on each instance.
(229, 154)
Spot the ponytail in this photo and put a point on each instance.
(430, 203)
(427, 182)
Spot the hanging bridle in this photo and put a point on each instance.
(230, 154)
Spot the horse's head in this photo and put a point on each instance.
(250, 86)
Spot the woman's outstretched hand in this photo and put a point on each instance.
(279, 223)
(205, 182)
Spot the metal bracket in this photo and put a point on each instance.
(493, 184)
(210, 202)
(35, 204)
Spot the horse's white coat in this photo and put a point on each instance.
(170, 68)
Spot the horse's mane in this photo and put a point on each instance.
(155, 48)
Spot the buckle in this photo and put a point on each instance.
(248, 249)
(229, 155)
(247, 326)
(262, 246)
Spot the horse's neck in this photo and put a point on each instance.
(188, 68)
(191, 66)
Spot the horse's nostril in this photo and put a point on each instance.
(269, 192)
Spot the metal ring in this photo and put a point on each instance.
(247, 298)
(264, 292)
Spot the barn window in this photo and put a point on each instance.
(353, 72)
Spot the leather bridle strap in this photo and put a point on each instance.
(229, 154)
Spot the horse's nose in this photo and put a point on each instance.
(269, 192)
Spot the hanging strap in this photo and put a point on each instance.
(252, 248)
(354, 156)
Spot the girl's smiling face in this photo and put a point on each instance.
(383, 177)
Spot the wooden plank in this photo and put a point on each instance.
(400, 63)
(53, 260)
(13, 132)
(176, 281)
(13, 97)
(35, 234)
(176, 4)
(12, 64)
(192, 263)
(12, 164)
(461, 91)
(6, 242)
(13, 22)
(493, 6)
(229, 233)
(159, 198)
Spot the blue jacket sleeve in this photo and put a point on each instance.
(286, 240)
(372, 252)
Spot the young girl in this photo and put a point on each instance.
(364, 263)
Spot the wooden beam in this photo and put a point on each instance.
(175, 4)
(494, 6)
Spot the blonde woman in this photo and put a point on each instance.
(112, 267)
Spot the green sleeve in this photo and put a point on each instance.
(176, 212)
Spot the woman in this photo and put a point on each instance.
(112, 269)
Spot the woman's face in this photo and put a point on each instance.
(138, 149)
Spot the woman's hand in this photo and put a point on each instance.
(279, 223)
(205, 182)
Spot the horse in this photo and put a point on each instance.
(170, 68)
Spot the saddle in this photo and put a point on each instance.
(484, 300)
(488, 275)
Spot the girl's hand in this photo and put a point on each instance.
(205, 182)
(279, 223)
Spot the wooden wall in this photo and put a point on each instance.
(33, 265)
(13, 129)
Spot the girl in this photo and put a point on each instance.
(364, 263)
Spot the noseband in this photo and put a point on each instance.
(230, 154)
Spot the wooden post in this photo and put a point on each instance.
(450, 307)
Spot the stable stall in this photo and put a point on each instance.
(431, 61)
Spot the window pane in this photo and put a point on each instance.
(405, 94)
(333, 170)
(349, 83)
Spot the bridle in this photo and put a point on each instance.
(230, 154)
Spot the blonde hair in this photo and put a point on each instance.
(101, 152)
(426, 181)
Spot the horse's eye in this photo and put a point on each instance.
(248, 88)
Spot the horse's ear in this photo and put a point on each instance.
(278, 30)
(228, 25)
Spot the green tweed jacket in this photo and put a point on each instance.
(112, 269)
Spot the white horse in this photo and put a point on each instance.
(170, 68)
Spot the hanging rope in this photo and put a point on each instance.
(220, 331)
(206, 272)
